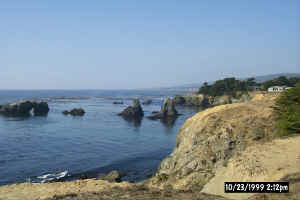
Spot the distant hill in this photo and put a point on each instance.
(264, 78)
(259, 79)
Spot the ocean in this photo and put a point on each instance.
(41, 149)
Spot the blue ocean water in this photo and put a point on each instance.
(36, 148)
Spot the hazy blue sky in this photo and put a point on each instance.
(110, 44)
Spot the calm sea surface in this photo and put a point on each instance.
(38, 149)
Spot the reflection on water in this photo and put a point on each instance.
(169, 122)
(136, 122)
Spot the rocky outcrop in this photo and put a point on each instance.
(133, 112)
(147, 102)
(167, 110)
(40, 109)
(24, 108)
(227, 99)
(113, 176)
(205, 101)
(179, 100)
(118, 102)
(211, 137)
(74, 112)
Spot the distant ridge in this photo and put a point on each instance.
(257, 79)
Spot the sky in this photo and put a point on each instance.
(117, 44)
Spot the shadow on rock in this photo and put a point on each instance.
(24, 108)
(167, 115)
(134, 112)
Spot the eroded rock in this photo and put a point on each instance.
(74, 112)
(168, 110)
(133, 112)
(24, 108)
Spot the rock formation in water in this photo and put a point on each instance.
(40, 109)
(147, 102)
(168, 110)
(74, 112)
(118, 102)
(24, 108)
(133, 112)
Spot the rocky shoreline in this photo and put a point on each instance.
(215, 142)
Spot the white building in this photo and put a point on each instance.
(277, 88)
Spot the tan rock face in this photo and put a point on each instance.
(211, 137)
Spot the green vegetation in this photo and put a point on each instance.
(281, 81)
(234, 87)
(288, 111)
(227, 86)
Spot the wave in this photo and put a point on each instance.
(51, 177)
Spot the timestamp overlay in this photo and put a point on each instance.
(256, 187)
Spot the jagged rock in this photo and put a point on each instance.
(113, 176)
(133, 112)
(74, 112)
(167, 110)
(24, 108)
(147, 102)
(40, 109)
(118, 102)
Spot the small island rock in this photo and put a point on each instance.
(74, 112)
(167, 110)
(118, 102)
(147, 102)
(24, 108)
(133, 112)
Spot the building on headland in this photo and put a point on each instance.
(278, 88)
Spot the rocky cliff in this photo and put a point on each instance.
(210, 138)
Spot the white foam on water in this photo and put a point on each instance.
(50, 177)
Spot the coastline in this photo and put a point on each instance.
(181, 180)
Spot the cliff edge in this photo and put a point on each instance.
(210, 138)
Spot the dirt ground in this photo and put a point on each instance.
(261, 162)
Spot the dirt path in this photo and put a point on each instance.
(262, 162)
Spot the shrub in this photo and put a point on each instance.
(288, 111)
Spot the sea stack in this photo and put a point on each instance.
(167, 110)
(133, 112)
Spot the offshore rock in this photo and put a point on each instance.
(118, 102)
(24, 108)
(133, 112)
(167, 110)
(40, 109)
(74, 112)
(147, 102)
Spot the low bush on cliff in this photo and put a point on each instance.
(288, 111)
